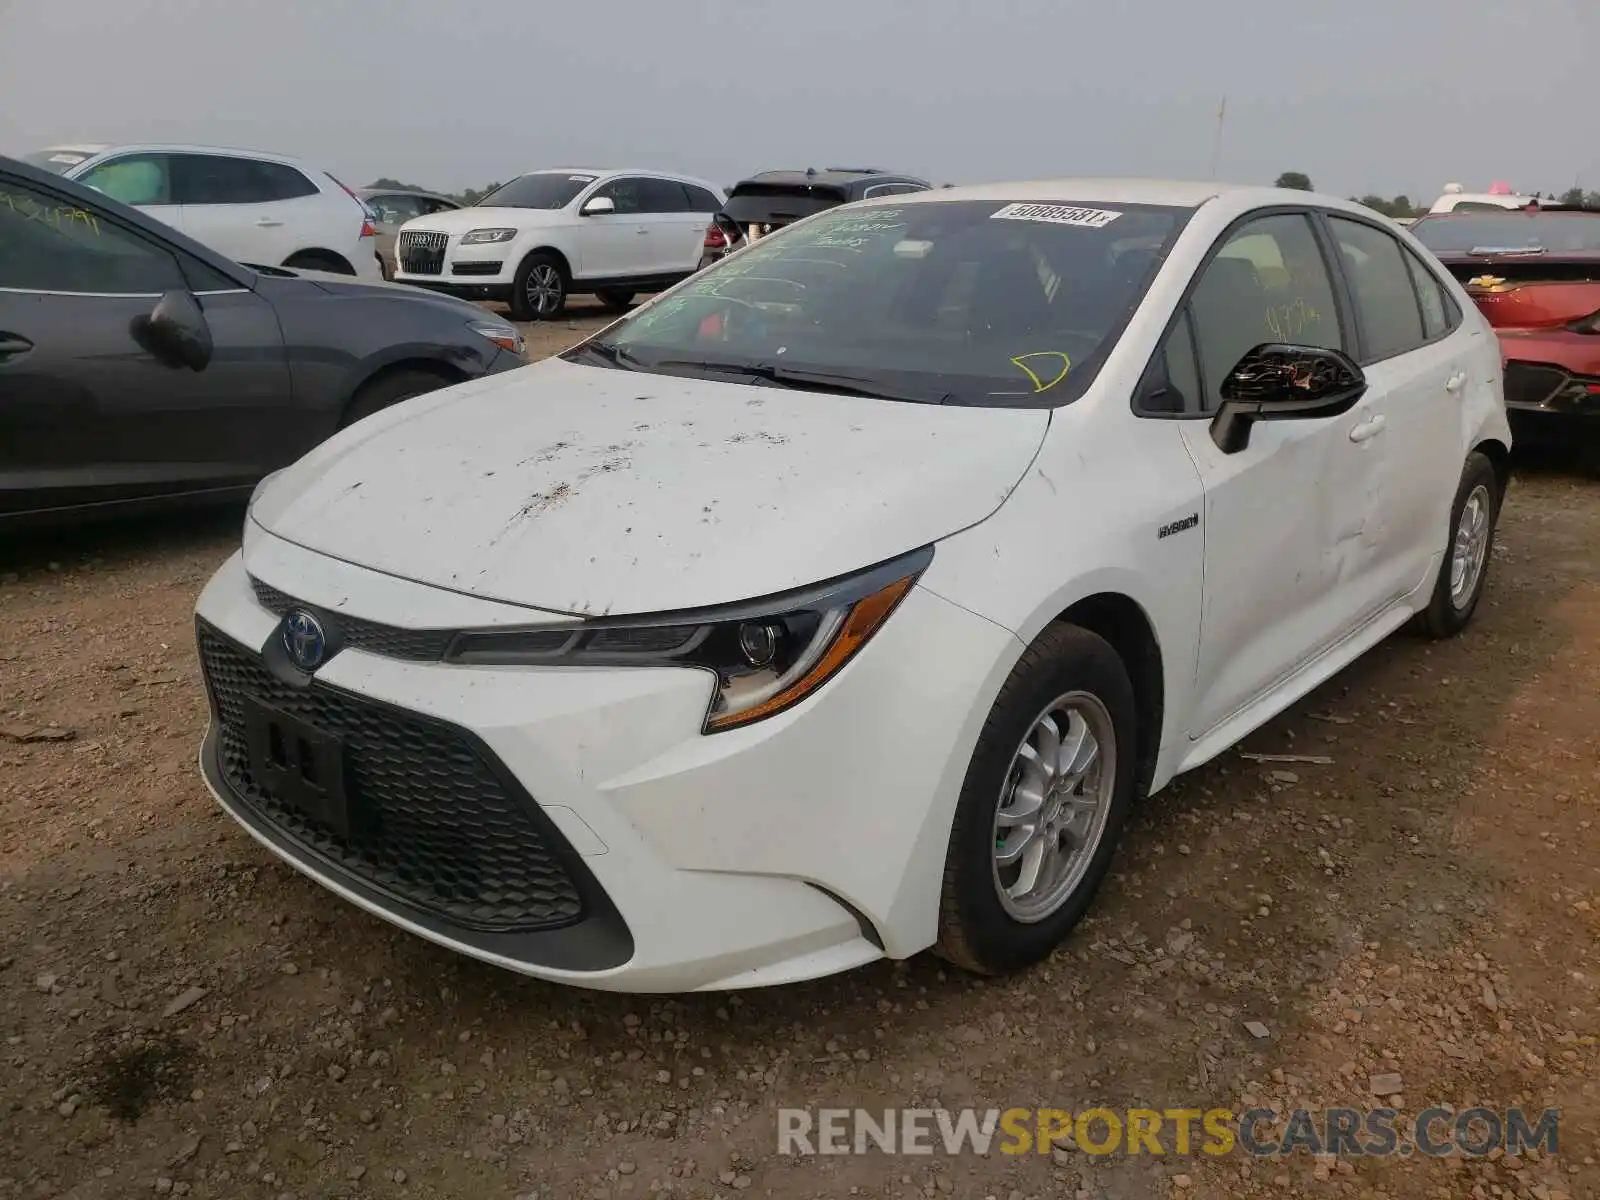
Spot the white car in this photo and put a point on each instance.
(1456, 199)
(840, 602)
(256, 208)
(549, 234)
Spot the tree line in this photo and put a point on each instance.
(1401, 206)
(469, 196)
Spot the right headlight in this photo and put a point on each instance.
(478, 237)
(767, 655)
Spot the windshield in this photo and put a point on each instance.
(543, 189)
(958, 302)
(58, 162)
(1555, 233)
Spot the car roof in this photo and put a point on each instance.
(126, 213)
(402, 191)
(172, 148)
(608, 172)
(1173, 192)
(832, 177)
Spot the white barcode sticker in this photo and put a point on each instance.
(1058, 214)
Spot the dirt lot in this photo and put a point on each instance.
(184, 1016)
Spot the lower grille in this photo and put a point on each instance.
(476, 268)
(412, 645)
(433, 822)
(1532, 383)
(421, 251)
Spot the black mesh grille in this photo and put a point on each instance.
(433, 824)
(413, 645)
(421, 251)
(1528, 383)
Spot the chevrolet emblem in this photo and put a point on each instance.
(1485, 281)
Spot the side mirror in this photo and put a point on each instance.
(599, 205)
(1282, 382)
(176, 332)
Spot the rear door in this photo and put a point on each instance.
(250, 210)
(142, 180)
(89, 413)
(677, 230)
(1416, 362)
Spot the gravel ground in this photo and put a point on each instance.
(182, 1015)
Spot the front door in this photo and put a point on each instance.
(142, 180)
(612, 245)
(1286, 517)
(88, 411)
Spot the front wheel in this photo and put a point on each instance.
(539, 289)
(1466, 562)
(614, 299)
(1045, 796)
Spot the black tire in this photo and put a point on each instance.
(1450, 610)
(976, 930)
(386, 390)
(537, 274)
(317, 260)
(615, 299)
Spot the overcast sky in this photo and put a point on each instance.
(1363, 95)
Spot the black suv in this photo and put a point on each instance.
(773, 199)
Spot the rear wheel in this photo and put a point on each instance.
(1466, 562)
(539, 290)
(378, 394)
(1045, 796)
(615, 299)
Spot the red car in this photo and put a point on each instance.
(1535, 273)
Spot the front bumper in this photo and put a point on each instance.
(463, 289)
(807, 844)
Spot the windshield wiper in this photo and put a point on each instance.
(610, 354)
(813, 381)
(1503, 250)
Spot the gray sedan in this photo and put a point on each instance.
(139, 369)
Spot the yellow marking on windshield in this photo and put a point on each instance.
(31, 209)
(1039, 385)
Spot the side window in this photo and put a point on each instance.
(1267, 283)
(429, 207)
(883, 189)
(1172, 385)
(1385, 297)
(49, 243)
(279, 181)
(624, 193)
(701, 200)
(132, 179)
(662, 196)
(396, 210)
(215, 179)
(1436, 311)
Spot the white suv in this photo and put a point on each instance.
(256, 208)
(532, 242)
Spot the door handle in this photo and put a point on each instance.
(643, 229)
(1456, 382)
(268, 223)
(11, 345)
(1368, 429)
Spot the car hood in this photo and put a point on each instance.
(462, 219)
(294, 281)
(589, 490)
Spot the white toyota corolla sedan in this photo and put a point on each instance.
(840, 602)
